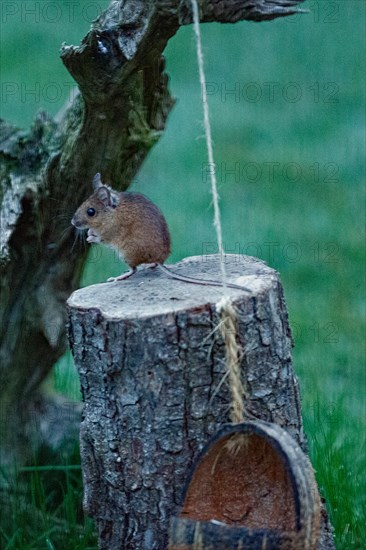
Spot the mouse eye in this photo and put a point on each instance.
(91, 212)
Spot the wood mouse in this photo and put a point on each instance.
(133, 226)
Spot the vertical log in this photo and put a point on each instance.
(152, 372)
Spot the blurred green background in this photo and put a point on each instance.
(287, 103)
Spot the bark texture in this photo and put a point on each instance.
(46, 172)
(152, 369)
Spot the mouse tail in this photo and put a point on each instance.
(192, 280)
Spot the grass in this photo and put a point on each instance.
(44, 511)
(338, 455)
(290, 166)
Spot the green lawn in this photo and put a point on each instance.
(287, 104)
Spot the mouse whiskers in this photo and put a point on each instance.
(79, 238)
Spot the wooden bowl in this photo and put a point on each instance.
(252, 487)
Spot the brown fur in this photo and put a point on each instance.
(135, 227)
(131, 224)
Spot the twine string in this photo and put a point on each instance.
(233, 351)
(209, 143)
(229, 318)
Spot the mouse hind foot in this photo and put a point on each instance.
(123, 276)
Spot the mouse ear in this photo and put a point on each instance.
(97, 181)
(104, 195)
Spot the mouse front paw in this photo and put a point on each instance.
(92, 237)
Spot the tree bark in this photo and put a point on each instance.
(45, 173)
(152, 371)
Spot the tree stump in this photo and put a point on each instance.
(152, 368)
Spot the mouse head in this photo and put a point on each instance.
(96, 210)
